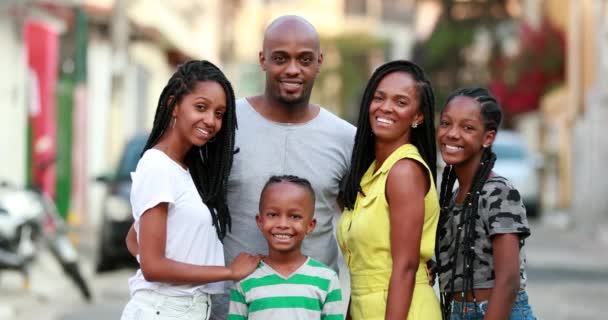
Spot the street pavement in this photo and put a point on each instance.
(567, 270)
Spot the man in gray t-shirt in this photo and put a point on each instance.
(281, 132)
(318, 150)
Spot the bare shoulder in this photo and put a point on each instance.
(407, 169)
(407, 176)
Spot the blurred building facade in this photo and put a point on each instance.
(115, 56)
(588, 96)
(12, 89)
(572, 115)
(131, 47)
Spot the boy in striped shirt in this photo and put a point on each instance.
(287, 284)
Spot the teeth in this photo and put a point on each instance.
(282, 236)
(384, 120)
(202, 131)
(453, 148)
(292, 84)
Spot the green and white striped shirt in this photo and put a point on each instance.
(311, 292)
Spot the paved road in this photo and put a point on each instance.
(568, 272)
(568, 279)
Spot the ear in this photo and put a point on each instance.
(489, 137)
(262, 60)
(419, 118)
(320, 61)
(311, 226)
(258, 220)
(169, 102)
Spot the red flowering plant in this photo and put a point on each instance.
(520, 81)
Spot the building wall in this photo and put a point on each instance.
(590, 174)
(99, 86)
(13, 122)
(193, 27)
(590, 177)
(329, 18)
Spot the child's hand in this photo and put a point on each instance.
(243, 265)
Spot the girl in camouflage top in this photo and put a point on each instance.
(483, 224)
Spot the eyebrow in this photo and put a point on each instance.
(404, 96)
(460, 120)
(397, 95)
(202, 98)
(311, 52)
(205, 99)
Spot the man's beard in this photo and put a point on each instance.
(292, 102)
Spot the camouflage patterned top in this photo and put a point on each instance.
(500, 211)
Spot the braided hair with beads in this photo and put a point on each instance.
(423, 136)
(209, 165)
(465, 234)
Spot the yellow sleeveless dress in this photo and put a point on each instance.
(364, 238)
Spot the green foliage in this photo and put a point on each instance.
(352, 52)
(446, 43)
(442, 55)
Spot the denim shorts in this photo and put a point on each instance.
(151, 305)
(521, 309)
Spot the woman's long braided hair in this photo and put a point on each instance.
(465, 234)
(423, 136)
(209, 165)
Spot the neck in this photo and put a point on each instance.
(285, 263)
(277, 111)
(384, 149)
(174, 147)
(465, 173)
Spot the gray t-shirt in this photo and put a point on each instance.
(500, 211)
(318, 150)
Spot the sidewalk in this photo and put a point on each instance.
(565, 247)
(567, 272)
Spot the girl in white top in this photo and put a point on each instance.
(178, 199)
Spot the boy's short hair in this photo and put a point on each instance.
(302, 182)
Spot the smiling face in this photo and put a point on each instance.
(199, 113)
(286, 216)
(395, 106)
(291, 59)
(462, 134)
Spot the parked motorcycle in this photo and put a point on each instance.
(29, 222)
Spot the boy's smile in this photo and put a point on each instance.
(286, 217)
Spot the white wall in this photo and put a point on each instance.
(99, 86)
(590, 150)
(12, 104)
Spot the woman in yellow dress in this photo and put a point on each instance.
(387, 231)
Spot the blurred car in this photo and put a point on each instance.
(517, 163)
(116, 209)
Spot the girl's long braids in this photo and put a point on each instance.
(465, 235)
(209, 165)
(423, 136)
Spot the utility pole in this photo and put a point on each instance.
(119, 128)
(120, 42)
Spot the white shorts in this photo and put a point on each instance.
(150, 305)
